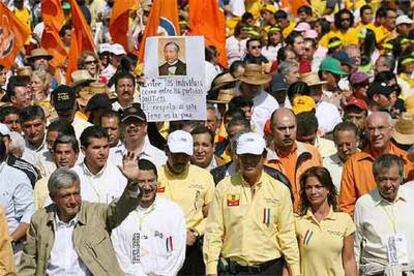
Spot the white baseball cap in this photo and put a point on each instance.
(4, 130)
(180, 141)
(403, 19)
(117, 49)
(105, 47)
(251, 143)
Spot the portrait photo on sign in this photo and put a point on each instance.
(172, 59)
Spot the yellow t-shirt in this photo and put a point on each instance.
(347, 38)
(191, 190)
(250, 229)
(321, 243)
(40, 192)
(25, 17)
(286, 31)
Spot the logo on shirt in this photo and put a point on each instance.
(160, 189)
(136, 248)
(307, 237)
(169, 245)
(158, 234)
(266, 216)
(233, 200)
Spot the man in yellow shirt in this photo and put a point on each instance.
(250, 223)
(284, 23)
(192, 189)
(386, 31)
(344, 20)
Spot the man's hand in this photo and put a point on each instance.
(191, 237)
(130, 167)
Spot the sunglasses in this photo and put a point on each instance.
(256, 47)
(91, 62)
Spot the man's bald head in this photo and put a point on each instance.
(283, 123)
(379, 128)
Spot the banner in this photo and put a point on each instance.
(174, 79)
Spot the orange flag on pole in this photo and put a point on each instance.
(119, 24)
(53, 18)
(293, 6)
(207, 19)
(81, 39)
(13, 35)
(162, 20)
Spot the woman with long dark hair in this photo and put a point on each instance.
(325, 236)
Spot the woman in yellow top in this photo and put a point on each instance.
(325, 236)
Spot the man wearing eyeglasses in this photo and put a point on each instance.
(254, 52)
(357, 176)
(151, 240)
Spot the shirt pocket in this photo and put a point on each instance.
(100, 246)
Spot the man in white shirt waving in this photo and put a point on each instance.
(151, 240)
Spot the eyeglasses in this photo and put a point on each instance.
(346, 19)
(91, 62)
(255, 47)
(380, 129)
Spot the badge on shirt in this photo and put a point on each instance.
(160, 189)
(266, 216)
(397, 249)
(169, 246)
(307, 237)
(233, 200)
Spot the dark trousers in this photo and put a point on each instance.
(193, 263)
(274, 268)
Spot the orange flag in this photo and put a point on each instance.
(207, 19)
(163, 20)
(13, 35)
(119, 24)
(53, 18)
(81, 39)
(293, 6)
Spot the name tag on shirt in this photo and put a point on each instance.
(397, 249)
(233, 200)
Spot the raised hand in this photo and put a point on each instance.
(130, 167)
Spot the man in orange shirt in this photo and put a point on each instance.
(286, 154)
(357, 177)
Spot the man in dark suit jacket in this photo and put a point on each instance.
(173, 66)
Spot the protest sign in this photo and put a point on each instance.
(174, 79)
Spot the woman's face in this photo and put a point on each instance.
(316, 193)
(275, 38)
(37, 85)
(91, 64)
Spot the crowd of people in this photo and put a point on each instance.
(303, 165)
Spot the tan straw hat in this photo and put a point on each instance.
(311, 79)
(81, 77)
(254, 74)
(404, 129)
(222, 81)
(224, 96)
(40, 52)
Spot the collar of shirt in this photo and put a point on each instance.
(173, 64)
(40, 147)
(121, 148)
(330, 216)
(391, 149)
(149, 209)
(62, 224)
(182, 175)
(89, 173)
(379, 200)
(273, 156)
(257, 184)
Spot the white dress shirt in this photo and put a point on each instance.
(103, 187)
(327, 123)
(149, 152)
(263, 107)
(377, 219)
(64, 259)
(335, 166)
(16, 196)
(151, 241)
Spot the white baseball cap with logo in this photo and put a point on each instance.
(250, 143)
(180, 141)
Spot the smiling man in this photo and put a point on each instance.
(250, 223)
(384, 239)
(72, 236)
(203, 148)
(142, 250)
(357, 178)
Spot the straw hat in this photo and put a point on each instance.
(404, 129)
(311, 79)
(81, 77)
(254, 74)
(25, 71)
(224, 96)
(98, 88)
(222, 81)
(40, 52)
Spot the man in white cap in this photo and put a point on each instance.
(192, 188)
(250, 223)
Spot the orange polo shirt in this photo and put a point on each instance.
(293, 164)
(358, 179)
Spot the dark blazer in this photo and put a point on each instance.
(180, 71)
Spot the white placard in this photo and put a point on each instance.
(174, 79)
